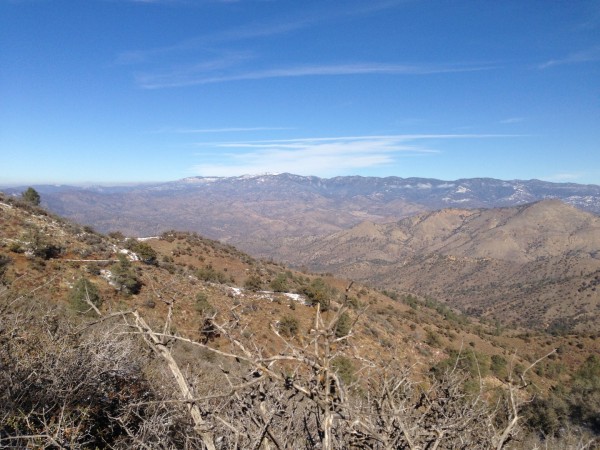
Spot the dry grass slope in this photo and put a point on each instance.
(208, 314)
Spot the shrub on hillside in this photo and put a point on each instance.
(253, 283)
(433, 339)
(585, 394)
(83, 290)
(5, 261)
(319, 293)
(499, 366)
(144, 251)
(209, 274)
(203, 306)
(345, 369)
(471, 362)
(38, 245)
(124, 276)
(343, 325)
(569, 404)
(31, 196)
(289, 326)
(280, 283)
(69, 390)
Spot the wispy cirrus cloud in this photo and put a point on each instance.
(221, 130)
(251, 31)
(580, 57)
(218, 64)
(182, 75)
(314, 156)
(204, 42)
(565, 177)
(510, 120)
(194, 76)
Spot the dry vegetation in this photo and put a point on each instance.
(215, 349)
(535, 265)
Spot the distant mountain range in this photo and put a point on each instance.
(536, 265)
(526, 252)
(257, 213)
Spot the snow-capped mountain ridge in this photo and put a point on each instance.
(259, 213)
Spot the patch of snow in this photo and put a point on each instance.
(462, 190)
(200, 180)
(456, 200)
(143, 239)
(266, 295)
(107, 275)
(452, 200)
(131, 255)
(297, 298)
(520, 194)
(237, 292)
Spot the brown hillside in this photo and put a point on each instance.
(187, 279)
(188, 264)
(536, 265)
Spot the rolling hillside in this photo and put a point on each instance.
(182, 320)
(536, 265)
(256, 213)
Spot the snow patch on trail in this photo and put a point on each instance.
(271, 296)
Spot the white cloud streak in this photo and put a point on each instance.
(224, 130)
(565, 177)
(581, 57)
(313, 156)
(196, 76)
(201, 42)
(252, 31)
(512, 120)
(219, 66)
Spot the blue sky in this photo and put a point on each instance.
(113, 91)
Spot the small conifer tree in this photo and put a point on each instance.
(83, 291)
(31, 196)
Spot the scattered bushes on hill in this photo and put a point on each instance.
(411, 301)
(39, 246)
(569, 404)
(95, 388)
(67, 390)
(210, 274)
(433, 339)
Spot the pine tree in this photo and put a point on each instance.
(31, 196)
